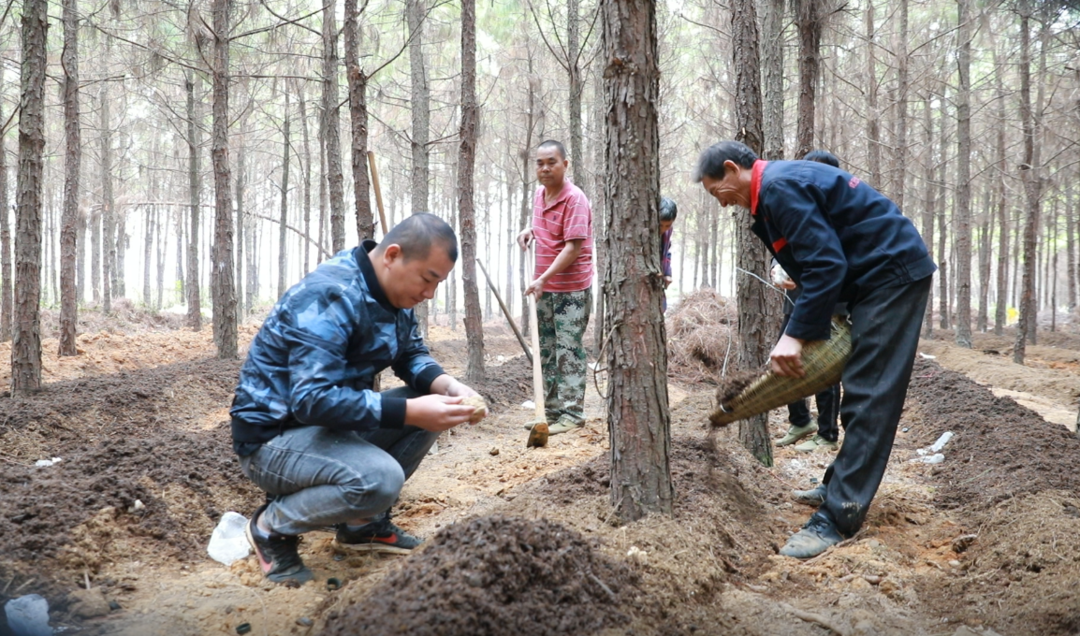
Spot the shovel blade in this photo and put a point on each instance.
(538, 435)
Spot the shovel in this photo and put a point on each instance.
(538, 434)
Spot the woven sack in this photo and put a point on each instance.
(823, 361)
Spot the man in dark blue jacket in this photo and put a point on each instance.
(310, 432)
(839, 240)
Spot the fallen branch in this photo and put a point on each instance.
(817, 619)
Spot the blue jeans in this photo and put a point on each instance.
(320, 477)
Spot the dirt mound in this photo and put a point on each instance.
(999, 450)
(129, 469)
(1014, 571)
(508, 384)
(494, 576)
(700, 336)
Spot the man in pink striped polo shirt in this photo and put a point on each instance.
(562, 230)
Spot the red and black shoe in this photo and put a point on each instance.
(277, 554)
(377, 536)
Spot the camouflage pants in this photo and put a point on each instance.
(562, 318)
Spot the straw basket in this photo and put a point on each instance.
(823, 361)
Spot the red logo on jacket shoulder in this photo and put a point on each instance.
(854, 182)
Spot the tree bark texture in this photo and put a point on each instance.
(1030, 179)
(962, 218)
(221, 281)
(6, 288)
(809, 15)
(332, 129)
(928, 208)
(194, 308)
(307, 184)
(26, 343)
(69, 301)
(420, 111)
(241, 234)
(283, 251)
(573, 68)
(108, 213)
(900, 153)
(365, 220)
(873, 116)
(772, 62)
(1001, 310)
(757, 318)
(639, 419)
(470, 122)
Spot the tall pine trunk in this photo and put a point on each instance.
(69, 302)
(962, 214)
(1032, 190)
(108, 213)
(283, 223)
(808, 19)
(194, 308)
(26, 343)
(420, 111)
(470, 121)
(772, 62)
(358, 119)
(221, 281)
(639, 419)
(331, 129)
(6, 288)
(757, 317)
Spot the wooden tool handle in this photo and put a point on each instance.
(538, 373)
(378, 191)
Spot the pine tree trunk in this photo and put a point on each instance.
(420, 110)
(928, 209)
(808, 19)
(307, 185)
(1001, 314)
(525, 218)
(283, 222)
(26, 341)
(221, 282)
(573, 66)
(873, 122)
(757, 319)
(900, 154)
(68, 234)
(194, 312)
(1032, 190)
(639, 420)
(160, 214)
(108, 214)
(470, 120)
(332, 128)
(772, 62)
(242, 307)
(365, 222)
(1070, 247)
(962, 213)
(6, 288)
(945, 321)
(986, 230)
(181, 254)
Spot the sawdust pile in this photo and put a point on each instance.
(702, 334)
(494, 576)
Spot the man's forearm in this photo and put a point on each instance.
(566, 258)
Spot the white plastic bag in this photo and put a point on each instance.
(28, 616)
(228, 542)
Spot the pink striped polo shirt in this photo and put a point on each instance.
(568, 218)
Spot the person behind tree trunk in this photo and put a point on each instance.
(825, 433)
(840, 240)
(562, 231)
(309, 429)
(668, 212)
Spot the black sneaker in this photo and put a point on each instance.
(377, 536)
(817, 536)
(277, 554)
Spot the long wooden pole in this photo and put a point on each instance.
(378, 191)
(506, 312)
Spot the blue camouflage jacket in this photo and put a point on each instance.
(316, 356)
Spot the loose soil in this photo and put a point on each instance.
(981, 543)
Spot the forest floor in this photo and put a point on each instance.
(526, 540)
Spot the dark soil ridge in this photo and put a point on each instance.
(999, 450)
(132, 456)
(493, 576)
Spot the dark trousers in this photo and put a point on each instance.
(885, 325)
(828, 405)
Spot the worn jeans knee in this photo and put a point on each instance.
(375, 489)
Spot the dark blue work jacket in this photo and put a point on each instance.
(836, 237)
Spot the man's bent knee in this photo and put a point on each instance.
(376, 489)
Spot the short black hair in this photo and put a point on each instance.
(822, 156)
(711, 162)
(416, 234)
(668, 209)
(557, 145)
